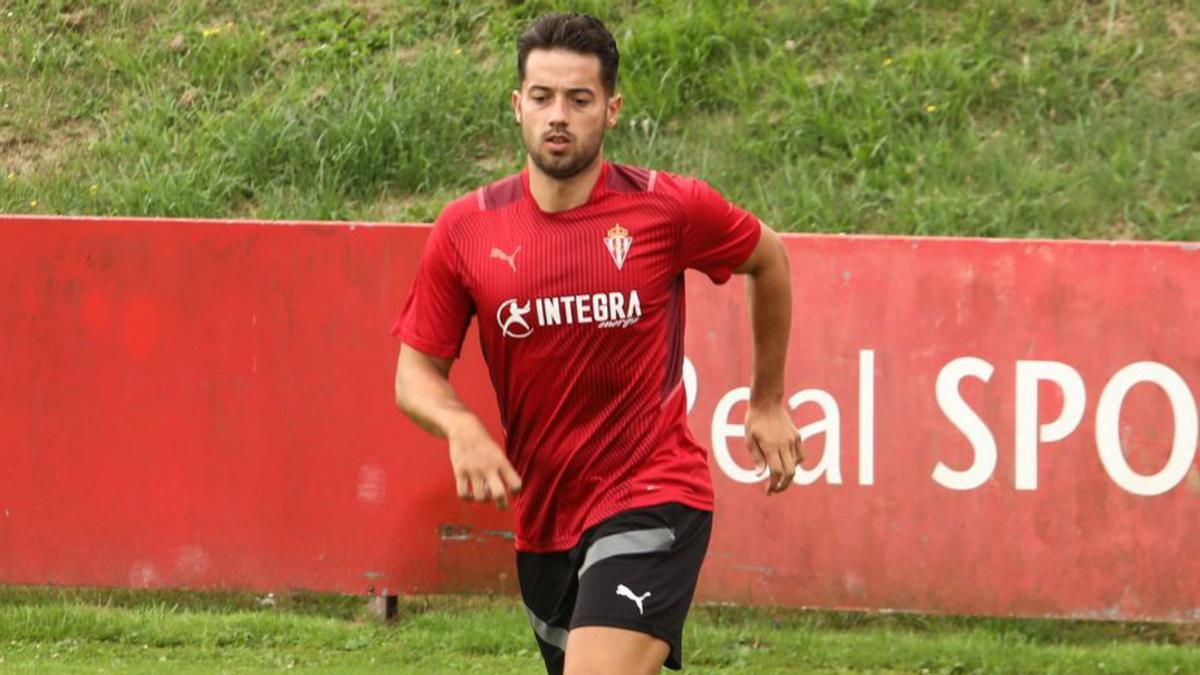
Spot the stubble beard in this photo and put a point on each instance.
(566, 166)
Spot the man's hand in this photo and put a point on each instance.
(481, 470)
(773, 442)
(423, 392)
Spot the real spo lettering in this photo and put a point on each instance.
(1030, 432)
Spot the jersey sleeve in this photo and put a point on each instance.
(439, 308)
(717, 236)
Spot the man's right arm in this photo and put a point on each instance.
(423, 392)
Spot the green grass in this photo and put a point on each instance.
(96, 630)
(994, 118)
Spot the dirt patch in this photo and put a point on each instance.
(1166, 85)
(1187, 634)
(391, 207)
(244, 209)
(1180, 71)
(27, 154)
(1099, 22)
(1181, 23)
(188, 98)
(1121, 25)
(493, 163)
(77, 20)
(374, 10)
(406, 55)
(396, 206)
(1123, 230)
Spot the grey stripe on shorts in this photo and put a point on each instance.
(551, 635)
(628, 543)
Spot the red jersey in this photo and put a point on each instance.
(581, 317)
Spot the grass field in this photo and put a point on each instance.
(1022, 118)
(93, 630)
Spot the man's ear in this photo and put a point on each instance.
(614, 109)
(516, 105)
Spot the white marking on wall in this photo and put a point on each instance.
(1108, 433)
(372, 484)
(866, 417)
(192, 561)
(143, 575)
(723, 430)
(689, 383)
(1029, 431)
(830, 424)
(968, 422)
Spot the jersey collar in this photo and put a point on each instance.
(600, 187)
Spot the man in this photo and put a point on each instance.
(575, 268)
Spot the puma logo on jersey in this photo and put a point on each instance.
(510, 259)
(624, 592)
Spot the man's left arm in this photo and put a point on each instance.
(770, 434)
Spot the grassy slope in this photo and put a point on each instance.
(1014, 118)
(52, 630)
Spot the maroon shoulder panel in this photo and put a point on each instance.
(623, 178)
(502, 193)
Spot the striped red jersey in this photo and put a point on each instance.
(581, 316)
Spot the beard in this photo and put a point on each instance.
(567, 165)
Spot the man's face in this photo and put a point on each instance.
(563, 110)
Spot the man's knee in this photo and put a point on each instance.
(601, 650)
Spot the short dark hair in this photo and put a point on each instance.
(579, 33)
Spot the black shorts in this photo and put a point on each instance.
(636, 570)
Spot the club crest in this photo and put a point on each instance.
(618, 242)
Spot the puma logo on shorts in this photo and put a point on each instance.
(623, 591)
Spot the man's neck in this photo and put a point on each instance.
(553, 195)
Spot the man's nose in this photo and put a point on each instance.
(558, 112)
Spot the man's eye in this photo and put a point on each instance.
(582, 101)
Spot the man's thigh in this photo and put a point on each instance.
(601, 650)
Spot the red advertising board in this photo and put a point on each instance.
(992, 427)
(995, 427)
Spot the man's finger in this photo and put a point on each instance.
(776, 479)
(461, 485)
(479, 487)
(756, 453)
(775, 462)
(789, 466)
(511, 478)
(495, 486)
